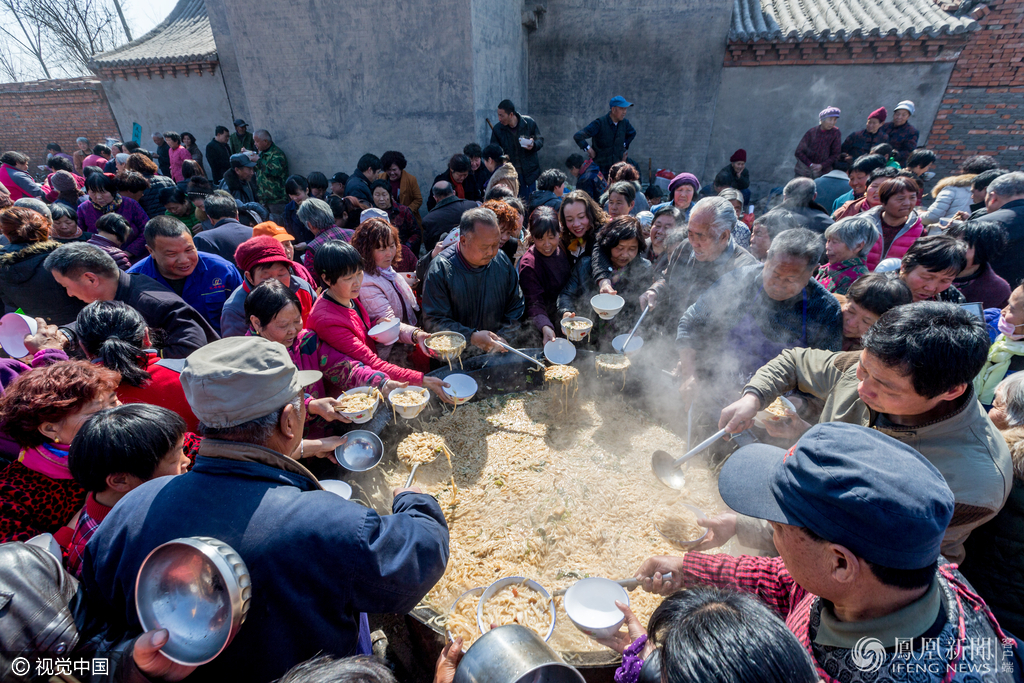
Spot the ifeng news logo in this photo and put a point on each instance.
(868, 655)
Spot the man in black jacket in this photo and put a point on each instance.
(520, 139)
(163, 153)
(358, 184)
(445, 215)
(610, 135)
(240, 179)
(90, 274)
(1005, 203)
(218, 153)
(459, 175)
(227, 232)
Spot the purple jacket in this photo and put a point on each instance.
(115, 252)
(542, 279)
(133, 213)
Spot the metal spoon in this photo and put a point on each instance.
(520, 353)
(625, 344)
(629, 584)
(667, 469)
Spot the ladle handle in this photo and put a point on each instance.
(412, 475)
(633, 331)
(520, 353)
(700, 447)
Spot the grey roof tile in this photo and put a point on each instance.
(841, 20)
(184, 36)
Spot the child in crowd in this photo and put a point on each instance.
(847, 244)
(115, 452)
(111, 231)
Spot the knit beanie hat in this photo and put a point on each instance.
(258, 251)
(828, 112)
(62, 181)
(684, 179)
(879, 114)
(738, 155)
(906, 104)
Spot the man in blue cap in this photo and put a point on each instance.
(609, 135)
(858, 519)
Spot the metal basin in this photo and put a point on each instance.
(362, 451)
(199, 590)
(514, 654)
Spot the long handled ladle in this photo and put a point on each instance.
(629, 338)
(667, 469)
(520, 353)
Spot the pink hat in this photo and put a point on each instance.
(258, 251)
(879, 114)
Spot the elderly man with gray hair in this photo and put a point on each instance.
(708, 252)
(798, 197)
(472, 287)
(317, 561)
(750, 316)
(1005, 203)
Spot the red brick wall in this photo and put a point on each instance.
(40, 112)
(983, 108)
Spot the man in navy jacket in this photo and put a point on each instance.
(315, 559)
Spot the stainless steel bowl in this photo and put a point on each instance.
(199, 590)
(362, 451)
(458, 341)
(513, 654)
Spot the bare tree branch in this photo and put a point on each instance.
(31, 44)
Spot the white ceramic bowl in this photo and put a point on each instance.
(607, 305)
(386, 332)
(412, 411)
(472, 592)
(577, 334)
(13, 329)
(365, 415)
(337, 487)
(590, 604)
(463, 388)
(410, 278)
(509, 580)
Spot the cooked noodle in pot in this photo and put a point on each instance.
(518, 604)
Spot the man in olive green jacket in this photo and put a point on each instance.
(912, 382)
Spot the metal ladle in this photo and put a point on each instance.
(520, 353)
(629, 337)
(667, 469)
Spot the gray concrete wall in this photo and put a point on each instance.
(197, 104)
(371, 76)
(665, 56)
(499, 63)
(767, 109)
(228, 71)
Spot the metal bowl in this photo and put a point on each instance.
(199, 590)
(687, 544)
(361, 451)
(510, 581)
(514, 654)
(458, 341)
(472, 592)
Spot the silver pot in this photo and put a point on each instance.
(514, 654)
(199, 590)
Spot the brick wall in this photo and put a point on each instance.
(37, 113)
(983, 108)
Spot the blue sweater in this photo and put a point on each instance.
(315, 559)
(206, 289)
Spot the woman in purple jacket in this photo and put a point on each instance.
(543, 270)
(104, 199)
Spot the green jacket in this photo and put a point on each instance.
(271, 172)
(965, 446)
(238, 143)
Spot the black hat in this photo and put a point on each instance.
(240, 122)
(850, 485)
(339, 177)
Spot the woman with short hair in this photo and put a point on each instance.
(543, 272)
(104, 198)
(142, 164)
(867, 299)
(986, 241)
(178, 155)
(897, 222)
(188, 141)
(409, 231)
(42, 411)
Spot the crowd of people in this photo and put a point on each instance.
(196, 313)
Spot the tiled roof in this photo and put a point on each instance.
(841, 20)
(183, 37)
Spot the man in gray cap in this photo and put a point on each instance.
(240, 179)
(241, 139)
(316, 560)
(858, 519)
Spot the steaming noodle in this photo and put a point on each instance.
(354, 403)
(563, 380)
(679, 524)
(461, 621)
(778, 409)
(518, 604)
(612, 362)
(446, 346)
(421, 448)
(408, 398)
(577, 324)
(553, 497)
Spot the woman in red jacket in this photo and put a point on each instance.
(115, 335)
(42, 411)
(340, 321)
